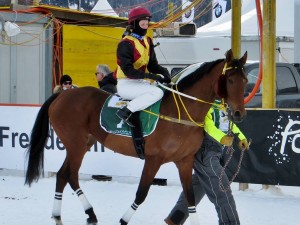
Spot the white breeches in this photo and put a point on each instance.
(141, 93)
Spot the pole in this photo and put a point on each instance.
(79, 5)
(236, 28)
(297, 31)
(269, 57)
(269, 54)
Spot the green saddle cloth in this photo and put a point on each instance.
(113, 124)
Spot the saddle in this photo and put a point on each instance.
(143, 121)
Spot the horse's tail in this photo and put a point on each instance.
(38, 139)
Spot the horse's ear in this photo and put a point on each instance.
(243, 60)
(229, 55)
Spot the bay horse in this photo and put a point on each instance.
(78, 124)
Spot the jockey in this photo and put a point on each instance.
(138, 67)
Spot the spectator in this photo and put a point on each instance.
(208, 169)
(105, 78)
(65, 84)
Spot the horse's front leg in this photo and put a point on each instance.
(150, 169)
(185, 168)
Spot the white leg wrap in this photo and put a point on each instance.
(85, 203)
(129, 213)
(193, 215)
(56, 211)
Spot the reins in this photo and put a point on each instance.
(229, 152)
(178, 94)
(175, 93)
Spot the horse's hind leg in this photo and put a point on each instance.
(151, 167)
(63, 176)
(74, 183)
(61, 181)
(68, 173)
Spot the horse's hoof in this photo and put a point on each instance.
(122, 222)
(92, 221)
(57, 220)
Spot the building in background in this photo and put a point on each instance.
(26, 58)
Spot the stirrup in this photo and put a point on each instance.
(125, 118)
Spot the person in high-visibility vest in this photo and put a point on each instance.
(209, 177)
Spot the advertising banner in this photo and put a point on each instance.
(16, 123)
(274, 155)
(188, 16)
(218, 9)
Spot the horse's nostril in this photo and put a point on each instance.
(237, 117)
(237, 114)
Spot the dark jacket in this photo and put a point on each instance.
(108, 84)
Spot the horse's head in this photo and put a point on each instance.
(232, 84)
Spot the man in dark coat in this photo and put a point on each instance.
(105, 78)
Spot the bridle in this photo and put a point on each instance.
(227, 72)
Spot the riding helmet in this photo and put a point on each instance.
(138, 13)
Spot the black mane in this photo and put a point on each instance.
(190, 79)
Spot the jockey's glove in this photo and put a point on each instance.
(244, 144)
(227, 140)
(157, 77)
(167, 78)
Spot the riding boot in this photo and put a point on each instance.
(125, 114)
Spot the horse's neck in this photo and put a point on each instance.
(204, 100)
(186, 108)
(204, 91)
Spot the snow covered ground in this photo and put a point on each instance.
(20, 204)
